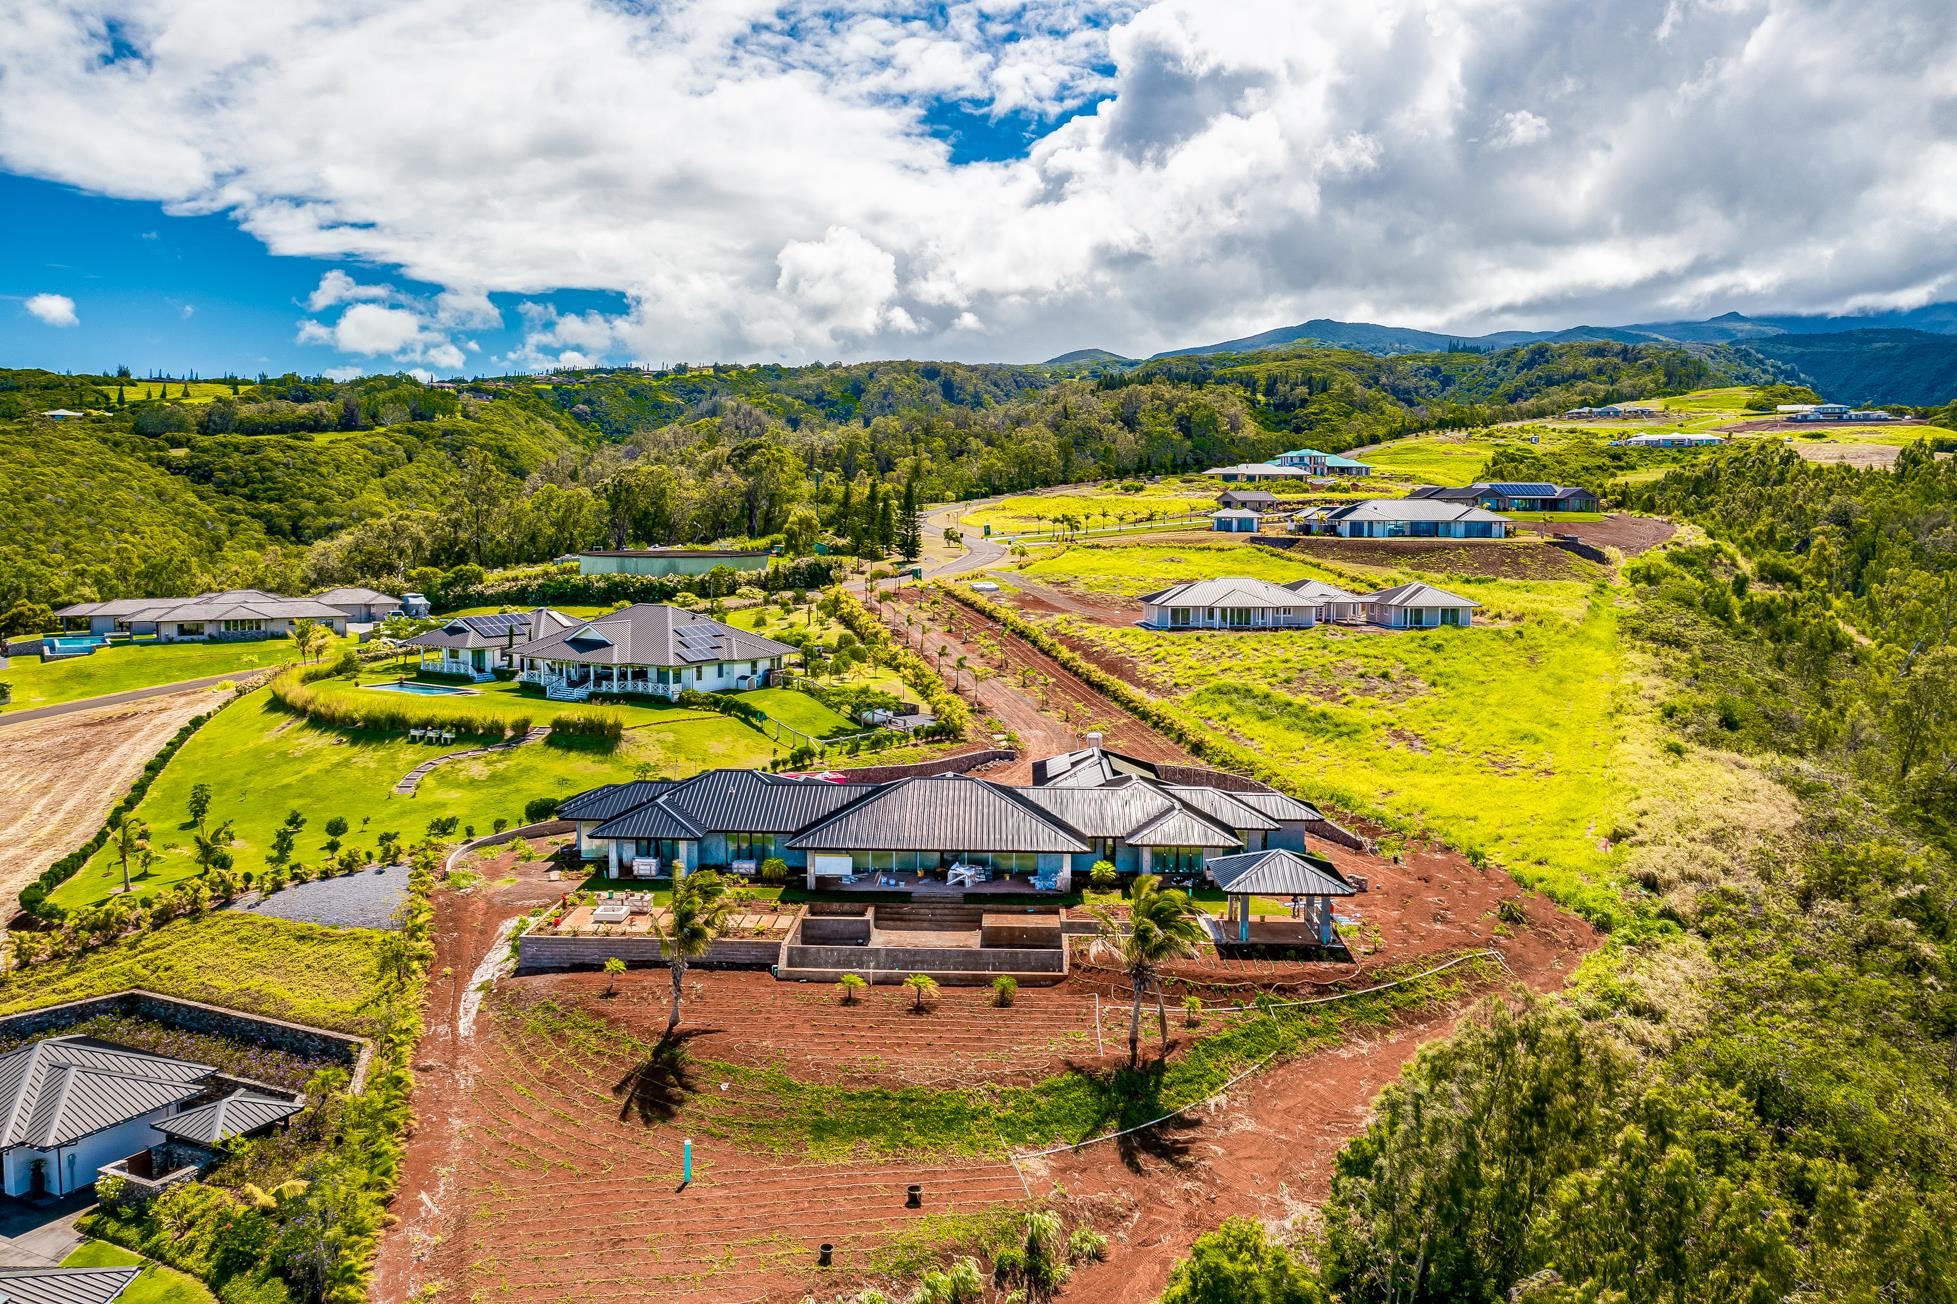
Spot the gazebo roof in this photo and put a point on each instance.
(1276, 872)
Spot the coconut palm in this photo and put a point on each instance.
(699, 908)
(1162, 925)
(211, 847)
(131, 839)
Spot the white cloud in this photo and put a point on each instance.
(756, 178)
(188, 311)
(53, 309)
(344, 373)
(1518, 128)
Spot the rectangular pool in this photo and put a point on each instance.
(422, 690)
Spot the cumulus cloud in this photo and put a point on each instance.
(763, 179)
(54, 309)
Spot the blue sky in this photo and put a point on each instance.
(495, 185)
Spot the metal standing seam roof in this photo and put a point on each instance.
(1221, 807)
(1275, 873)
(1233, 514)
(948, 813)
(1318, 591)
(1279, 806)
(612, 800)
(655, 819)
(1231, 591)
(239, 1114)
(1102, 812)
(1183, 827)
(750, 801)
(653, 634)
(356, 596)
(1411, 509)
(60, 1089)
(64, 1285)
(1268, 470)
(1417, 595)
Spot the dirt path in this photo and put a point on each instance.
(421, 1247)
(61, 774)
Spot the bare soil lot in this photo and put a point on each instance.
(1630, 535)
(60, 776)
(1501, 559)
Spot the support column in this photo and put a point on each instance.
(613, 845)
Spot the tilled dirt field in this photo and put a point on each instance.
(1630, 535)
(1519, 559)
(60, 776)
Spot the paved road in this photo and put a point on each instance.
(117, 699)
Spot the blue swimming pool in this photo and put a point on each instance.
(422, 690)
(73, 645)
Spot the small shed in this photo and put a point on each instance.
(1310, 887)
(1234, 520)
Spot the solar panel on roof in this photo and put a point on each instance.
(498, 625)
(1524, 489)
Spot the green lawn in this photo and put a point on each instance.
(301, 972)
(1434, 459)
(798, 710)
(262, 762)
(120, 668)
(1496, 738)
(157, 1284)
(1132, 571)
(1093, 507)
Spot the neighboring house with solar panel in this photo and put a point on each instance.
(1512, 496)
(477, 647)
(649, 649)
(72, 1106)
(1411, 518)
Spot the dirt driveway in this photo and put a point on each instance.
(60, 775)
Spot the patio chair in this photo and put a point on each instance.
(414, 734)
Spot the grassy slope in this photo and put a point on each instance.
(1038, 511)
(261, 763)
(303, 972)
(157, 1284)
(1497, 738)
(118, 669)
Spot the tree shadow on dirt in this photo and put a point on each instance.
(1127, 1098)
(655, 1088)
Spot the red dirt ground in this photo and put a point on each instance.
(1630, 535)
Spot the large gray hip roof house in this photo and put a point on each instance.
(476, 647)
(209, 617)
(1086, 807)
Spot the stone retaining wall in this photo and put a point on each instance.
(949, 964)
(193, 1016)
(536, 951)
(957, 763)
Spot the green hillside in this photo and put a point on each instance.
(1869, 367)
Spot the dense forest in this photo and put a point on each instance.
(288, 483)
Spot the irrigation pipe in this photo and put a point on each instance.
(1320, 1000)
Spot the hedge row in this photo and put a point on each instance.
(34, 896)
(294, 692)
(590, 722)
(859, 620)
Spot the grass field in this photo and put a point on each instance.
(157, 1284)
(1434, 459)
(120, 668)
(261, 762)
(302, 972)
(1094, 508)
(1497, 738)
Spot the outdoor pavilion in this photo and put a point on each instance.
(1309, 885)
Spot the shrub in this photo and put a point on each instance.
(1192, 1010)
(1004, 988)
(774, 870)
(539, 809)
(1086, 1245)
(1102, 874)
(336, 827)
(851, 986)
(607, 726)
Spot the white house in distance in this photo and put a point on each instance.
(476, 647)
(1310, 459)
(1233, 603)
(649, 648)
(1252, 471)
(1670, 439)
(1409, 518)
(230, 616)
(1418, 606)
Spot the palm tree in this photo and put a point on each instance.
(958, 670)
(210, 850)
(131, 839)
(1162, 926)
(922, 985)
(700, 906)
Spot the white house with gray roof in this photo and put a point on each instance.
(1330, 602)
(1410, 518)
(232, 615)
(1234, 602)
(650, 649)
(1418, 606)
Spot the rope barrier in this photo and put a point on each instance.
(1269, 1005)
